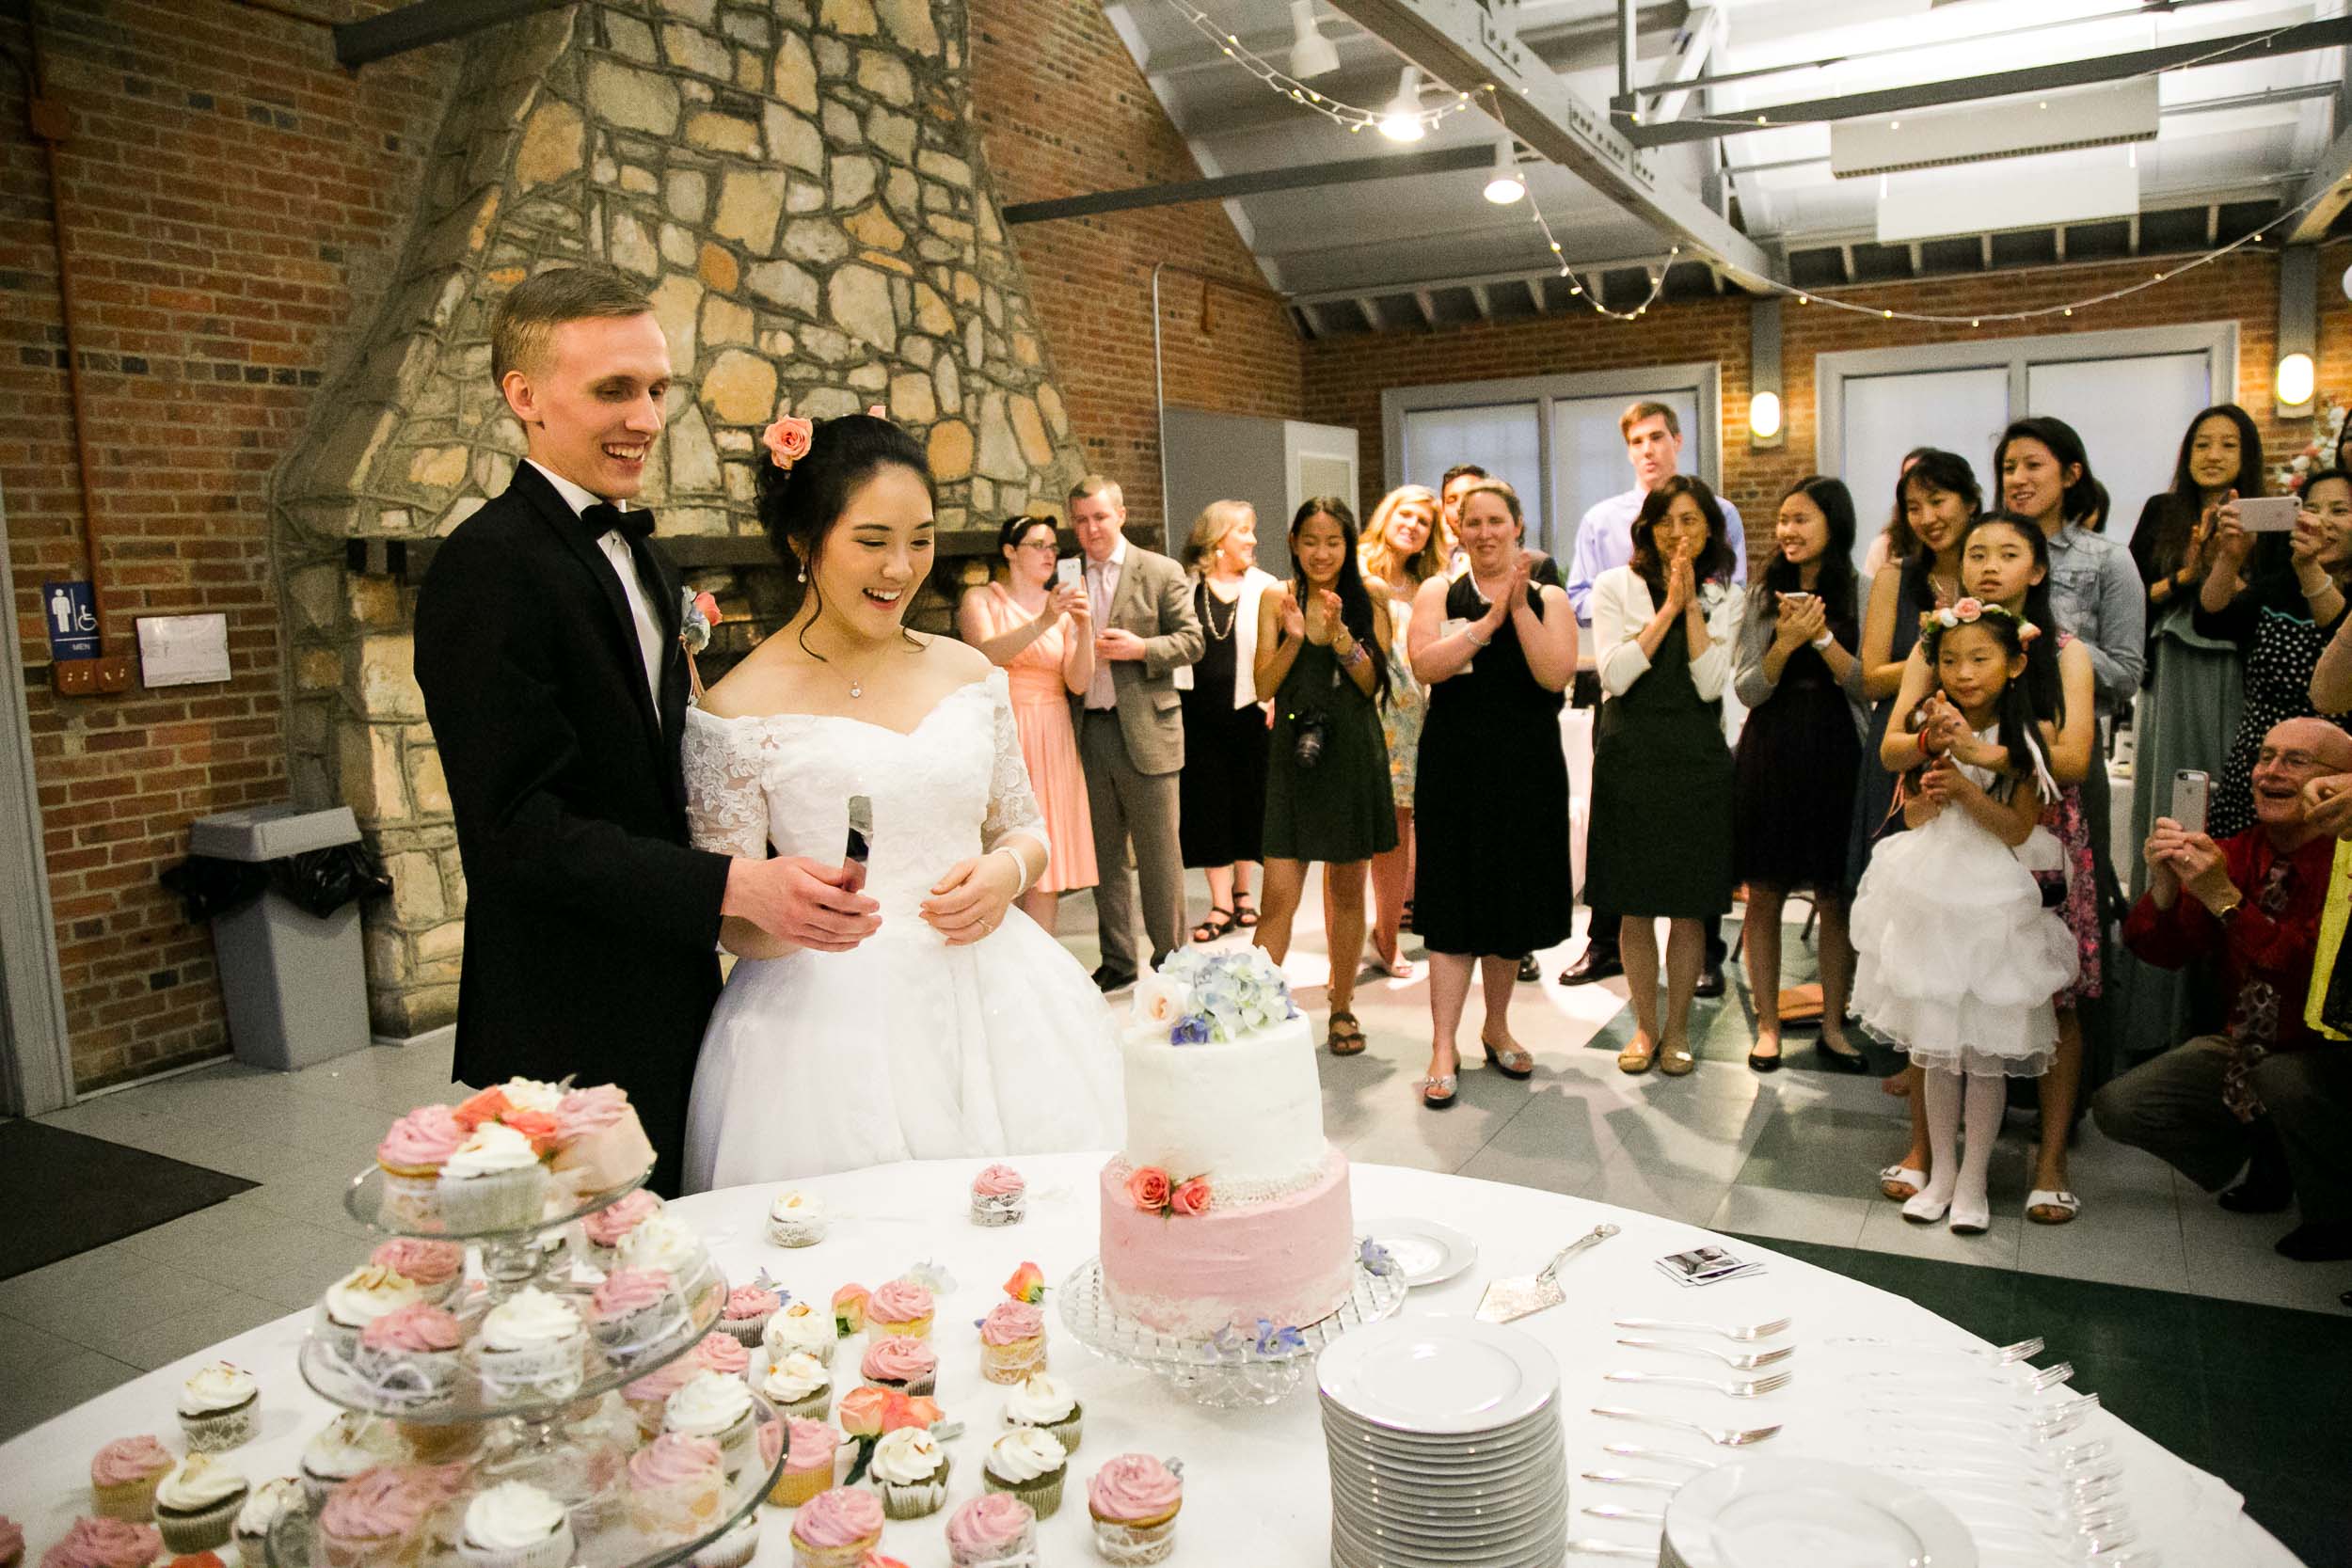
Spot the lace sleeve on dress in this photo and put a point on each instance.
(726, 809)
(1011, 803)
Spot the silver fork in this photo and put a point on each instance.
(1663, 1456)
(1725, 1437)
(1755, 1331)
(1589, 1547)
(1738, 1360)
(1739, 1388)
(1617, 1511)
(1626, 1478)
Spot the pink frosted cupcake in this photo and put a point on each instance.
(678, 1487)
(1135, 1499)
(412, 1355)
(910, 1365)
(610, 1226)
(719, 1353)
(411, 1157)
(122, 1478)
(634, 1309)
(436, 1268)
(999, 1196)
(1012, 1342)
(834, 1529)
(110, 1543)
(599, 1143)
(901, 1309)
(988, 1529)
(379, 1518)
(649, 1395)
(720, 1408)
(748, 1307)
(807, 1463)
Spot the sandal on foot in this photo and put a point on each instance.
(1343, 1044)
(1675, 1061)
(2066, 1203)
(1508, 1059)
(1901, 1183)
(1633, 1061)
(1433, 1102)
(1219, 922)
(1244, 913)
(1396, 968)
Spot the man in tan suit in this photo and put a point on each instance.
(1131, 726)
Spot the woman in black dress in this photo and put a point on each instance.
(1494, 649)
(1221, 805)
(1800, 753)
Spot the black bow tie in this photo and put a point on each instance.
(603, 516)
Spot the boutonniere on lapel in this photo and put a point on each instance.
(1712, 593)
(697, 614)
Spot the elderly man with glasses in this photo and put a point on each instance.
(2267, 1094)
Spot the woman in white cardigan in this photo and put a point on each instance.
(1664, 627)
(1221, 811)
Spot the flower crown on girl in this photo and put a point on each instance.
(787, 440)
(1968, 612)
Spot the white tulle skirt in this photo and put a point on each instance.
(1956, 960)
(903, 1049)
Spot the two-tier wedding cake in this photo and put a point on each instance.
(1227, 1207)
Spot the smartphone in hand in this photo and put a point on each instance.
(2190, 788)
(1066, 570)
(2267, 513)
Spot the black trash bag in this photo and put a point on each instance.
(319, 881)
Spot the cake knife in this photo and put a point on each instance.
(1509, 1299)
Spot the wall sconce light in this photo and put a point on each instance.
(2294, 383)
(1765, 415)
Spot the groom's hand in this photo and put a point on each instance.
(804, 902)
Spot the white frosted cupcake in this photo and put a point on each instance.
(344, 1448)
(1029, 1464)
(802, 1328)
(718, 1407)
(197, 1503)
(800, 1386)
(1046, 1402)
(796, 1219)
(666, 1242)
(217, 1408)
(270, 1502)
(494, 1181)
(356, 1300)
(911, 1468)
(515, 1524)
(530, 1347)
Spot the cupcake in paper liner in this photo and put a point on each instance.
(749, 1308)
(532, 1346)
(911, 1469)
(197, 1503)
(411, 1157)
(796, 1218)
(1134, 1501)
(666, 1243)
(633, 1310)
(1012, 1342)
(800, 1327)
(608, 1226)
(599, 1142)
(676, 1487)
(808, 1462)
(437, 1269)
(910, 1365)
(494, 1181)
(1029, 1464)
(356, 1300)
(412, 1356)
(217, 1408)
(269, 1502)
(901, 1308)
(800, 1386)
(649, 1395)
(123, 1475)
(732, 1550)
(989, 1529)
(106, 1543)
(718, 1407)
(1000, 1196)
(834, 1529)
(515, 1524)
(349, 1445)
(1047, 1403)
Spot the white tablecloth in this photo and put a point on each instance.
(1255, 1480)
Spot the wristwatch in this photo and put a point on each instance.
(2229, 912)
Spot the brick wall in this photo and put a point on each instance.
(1345, 375)
(1062, 110)
(232, 199)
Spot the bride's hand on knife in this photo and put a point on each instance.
(802, 902)
(971, 900)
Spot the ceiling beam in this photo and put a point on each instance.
(2237, 48)
(1460, 43)
(1692, 48)
(1339, 171)
(2328, 189)
(423, 22)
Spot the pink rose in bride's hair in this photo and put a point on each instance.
(1147, 1189)
(787, 440)
(1190, 1198)
(878, 411)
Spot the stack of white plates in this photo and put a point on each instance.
(1807, 1514)
(1445, 1446)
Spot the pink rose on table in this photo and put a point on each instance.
(1190, 1198)
(787, 440)
(1148, 1188)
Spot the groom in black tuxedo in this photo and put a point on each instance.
(546, 645)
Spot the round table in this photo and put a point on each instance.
(1255, 1480)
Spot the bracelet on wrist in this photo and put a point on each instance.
(1477, 638)
(1823, 640)
(1354, 657)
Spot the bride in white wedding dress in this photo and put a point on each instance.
(957, 1027)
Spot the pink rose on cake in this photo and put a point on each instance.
(1190, 1198)
(1148, 1188)
(1160, 1003)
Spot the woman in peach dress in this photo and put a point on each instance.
(1041, 633)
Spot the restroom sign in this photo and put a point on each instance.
(70, 611)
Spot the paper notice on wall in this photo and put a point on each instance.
(184, 650)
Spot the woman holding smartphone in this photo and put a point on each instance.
(2281, 597)
(1799, 755)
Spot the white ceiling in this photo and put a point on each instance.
(1422, 238)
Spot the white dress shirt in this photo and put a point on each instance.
(616, 550)
(1605, 538)
(1101, 588)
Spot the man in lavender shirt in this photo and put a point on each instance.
(1653, 443)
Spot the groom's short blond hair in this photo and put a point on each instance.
(525, 322)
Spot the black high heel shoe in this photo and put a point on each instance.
(1844, 1061)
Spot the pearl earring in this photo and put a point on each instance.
(804, 573)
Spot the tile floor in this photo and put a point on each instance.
(1787, 1157)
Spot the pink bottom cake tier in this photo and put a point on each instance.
(1290, 1260)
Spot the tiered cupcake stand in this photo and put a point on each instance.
(576, 1444)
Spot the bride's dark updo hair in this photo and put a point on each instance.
(799, 507)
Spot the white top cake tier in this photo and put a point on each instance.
(1221, 1076)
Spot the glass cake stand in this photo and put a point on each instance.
(1233, 1372)
(511, 1256)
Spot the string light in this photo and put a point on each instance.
(1353, 117)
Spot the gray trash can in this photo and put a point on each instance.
(295, 985)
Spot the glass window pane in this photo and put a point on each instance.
(1588, 460)
(2130, 414)
(1885, 416)
(1503, 438)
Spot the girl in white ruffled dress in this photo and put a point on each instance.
(1957, 958)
